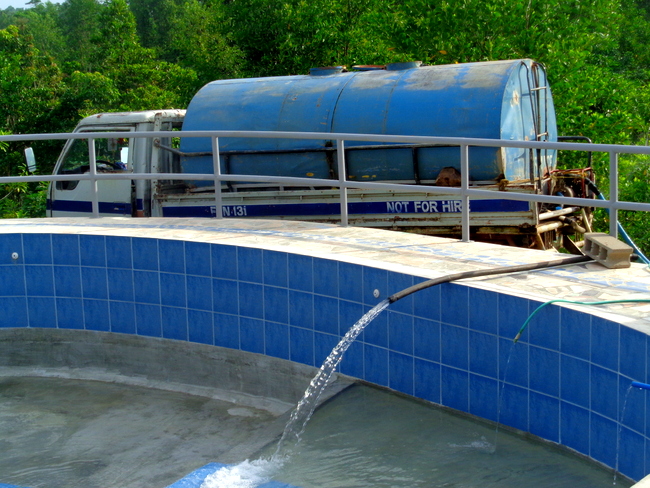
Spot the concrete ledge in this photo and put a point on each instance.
(248, 379)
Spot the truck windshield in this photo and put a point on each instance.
(111, 154)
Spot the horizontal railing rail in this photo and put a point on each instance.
(465, 191)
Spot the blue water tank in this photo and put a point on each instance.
(508, 100)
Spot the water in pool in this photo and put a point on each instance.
(368, 437)
(69, 433)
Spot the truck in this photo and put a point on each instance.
(502, 100)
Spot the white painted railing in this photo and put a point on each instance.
(465, 192)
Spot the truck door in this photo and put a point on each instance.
(74, 198)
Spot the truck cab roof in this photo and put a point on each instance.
(117, 118)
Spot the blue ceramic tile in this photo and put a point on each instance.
(513, 407)
(65, 249)
(174, 323)
(171, 256)
(250, 265)
(454, 388)
(42, 312)
(604, 392)
(326, 277)
(301, 273)
(251, 335)
(120, 284)
(122, 317)
(251, 300)
(631, 405)
(145, 253)
(69, 313)
(172, 290)
(400, 332)
(574, 380)
(301, 343)
(631, 458)
(546, 329)
(276, 340)
(199, 292)
(147, 320)
(604, 341)
(226, 330)
(147, 287)
(37, 248)
(633, 354)
(276, 304)
(374, 279)
(376, 365)
(275, 268)
(118, 252)
(350, 282)
(352, 362)
(483, 354)
(67, 281)
(426, 339)
(94, 283)
(544, 417)
(224, 261)
(427, 380)
(400, 372)
(96, 315)
(454, 346)
(323, 345)
(604, 436)
(398, 282)
(544, 371)
(92, 250)
(575, 334)
(376, 332)
(12, 280)
(9, 244)
(513, 362)
(349, 313)
(456, 300)
(326, 314)
(197, 259)
(513, 311)
(200, 327)
(483, 310)
(574, 427)
(40, 281)
(483, 397)
(14, 312)
(301, 309)
(426, 303)
(225, 295)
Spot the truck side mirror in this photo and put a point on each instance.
(31, 160)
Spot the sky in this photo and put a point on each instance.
(18, 3)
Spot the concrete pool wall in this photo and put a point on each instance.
(567, 379)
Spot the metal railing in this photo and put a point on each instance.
(465, 192)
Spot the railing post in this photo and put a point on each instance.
(340, 158)
(92, 161)
(464, 186)
(613, 194)
(216, 163)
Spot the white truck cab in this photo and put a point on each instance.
(140, 155)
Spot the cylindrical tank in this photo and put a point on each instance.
(507, 100)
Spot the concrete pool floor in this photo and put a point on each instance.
(425, 256)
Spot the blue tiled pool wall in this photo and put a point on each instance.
(567, 380)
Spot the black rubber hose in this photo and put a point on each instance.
(486, 272)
